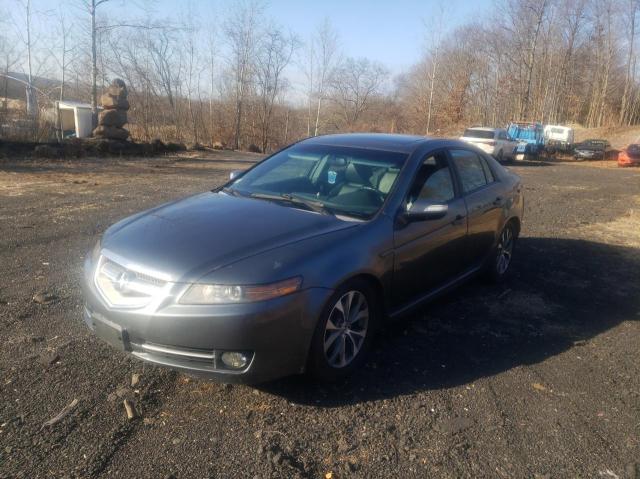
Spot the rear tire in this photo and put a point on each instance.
(344, 332)
(498, 264)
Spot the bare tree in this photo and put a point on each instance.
(309, 69)
(632, 7)
(212, 51)
(242, 33)
(24, 32)
(326, 48)
(61, 56)
(275, 53)
(91, 7)
(355, 82)
(9, 57)
(435, 28)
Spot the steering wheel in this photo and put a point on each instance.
(378, 193)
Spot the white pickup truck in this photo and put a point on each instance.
(494, 141)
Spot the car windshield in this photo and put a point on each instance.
(338, 180)
(484, 134)
(528, 132)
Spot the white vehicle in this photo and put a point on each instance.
(559, 137)
(494, 141)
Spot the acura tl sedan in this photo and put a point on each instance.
(294, 264)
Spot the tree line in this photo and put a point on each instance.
(246, 82)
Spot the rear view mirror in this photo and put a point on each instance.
(234, 174)
(426, 210)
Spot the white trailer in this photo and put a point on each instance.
(558, 137)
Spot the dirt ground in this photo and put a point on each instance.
(535, 378)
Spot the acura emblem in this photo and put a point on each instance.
(123, 281)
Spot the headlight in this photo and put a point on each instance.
(225, 294)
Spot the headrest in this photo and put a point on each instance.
(386, 182)
(351, 175)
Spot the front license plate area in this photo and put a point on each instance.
(111, 333)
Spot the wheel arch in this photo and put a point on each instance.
(515, 221)
(377, 286)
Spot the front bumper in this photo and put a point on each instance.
(588, 155)
(275, 335)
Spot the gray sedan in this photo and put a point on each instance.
(293, 264)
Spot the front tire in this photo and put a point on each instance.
(344, 332)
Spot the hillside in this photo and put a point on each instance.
(619, 136)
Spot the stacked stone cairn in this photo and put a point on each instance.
(114, 114)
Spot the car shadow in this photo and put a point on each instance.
(560, 293)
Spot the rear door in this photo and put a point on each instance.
(506, 144)
(483, 200)
(431, 252)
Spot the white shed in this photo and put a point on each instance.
(75, 118)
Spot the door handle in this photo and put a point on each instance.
(498, 200)
(459, 217)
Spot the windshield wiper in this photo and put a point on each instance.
(316, 206)
(353, 214)
(230, 191)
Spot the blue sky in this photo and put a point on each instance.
(392, 32)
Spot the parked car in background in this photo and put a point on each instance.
(293, 264)
(558, 138)
(530, 139)
(629, 156)
(493, 141)
(593, 150)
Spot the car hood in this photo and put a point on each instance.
(195, 236)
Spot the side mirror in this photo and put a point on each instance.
(234, 174)
(426, 210)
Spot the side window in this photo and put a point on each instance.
(470, 169)
(433, 181)
(488, 174)
(502, 135)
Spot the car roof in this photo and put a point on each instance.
(484, 128)
(373, 141)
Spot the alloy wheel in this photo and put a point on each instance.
(505, 250)
(346, 329)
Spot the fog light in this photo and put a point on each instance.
(234, 360)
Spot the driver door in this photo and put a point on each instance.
(429, 253)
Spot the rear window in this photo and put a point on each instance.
(484, 134)
(470, 169)
(557, 131)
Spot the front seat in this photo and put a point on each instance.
(356, 190)
(353, 181)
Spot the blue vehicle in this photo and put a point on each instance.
(530, 138)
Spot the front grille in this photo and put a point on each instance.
(126, 288)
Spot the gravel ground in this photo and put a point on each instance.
(534, 378)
